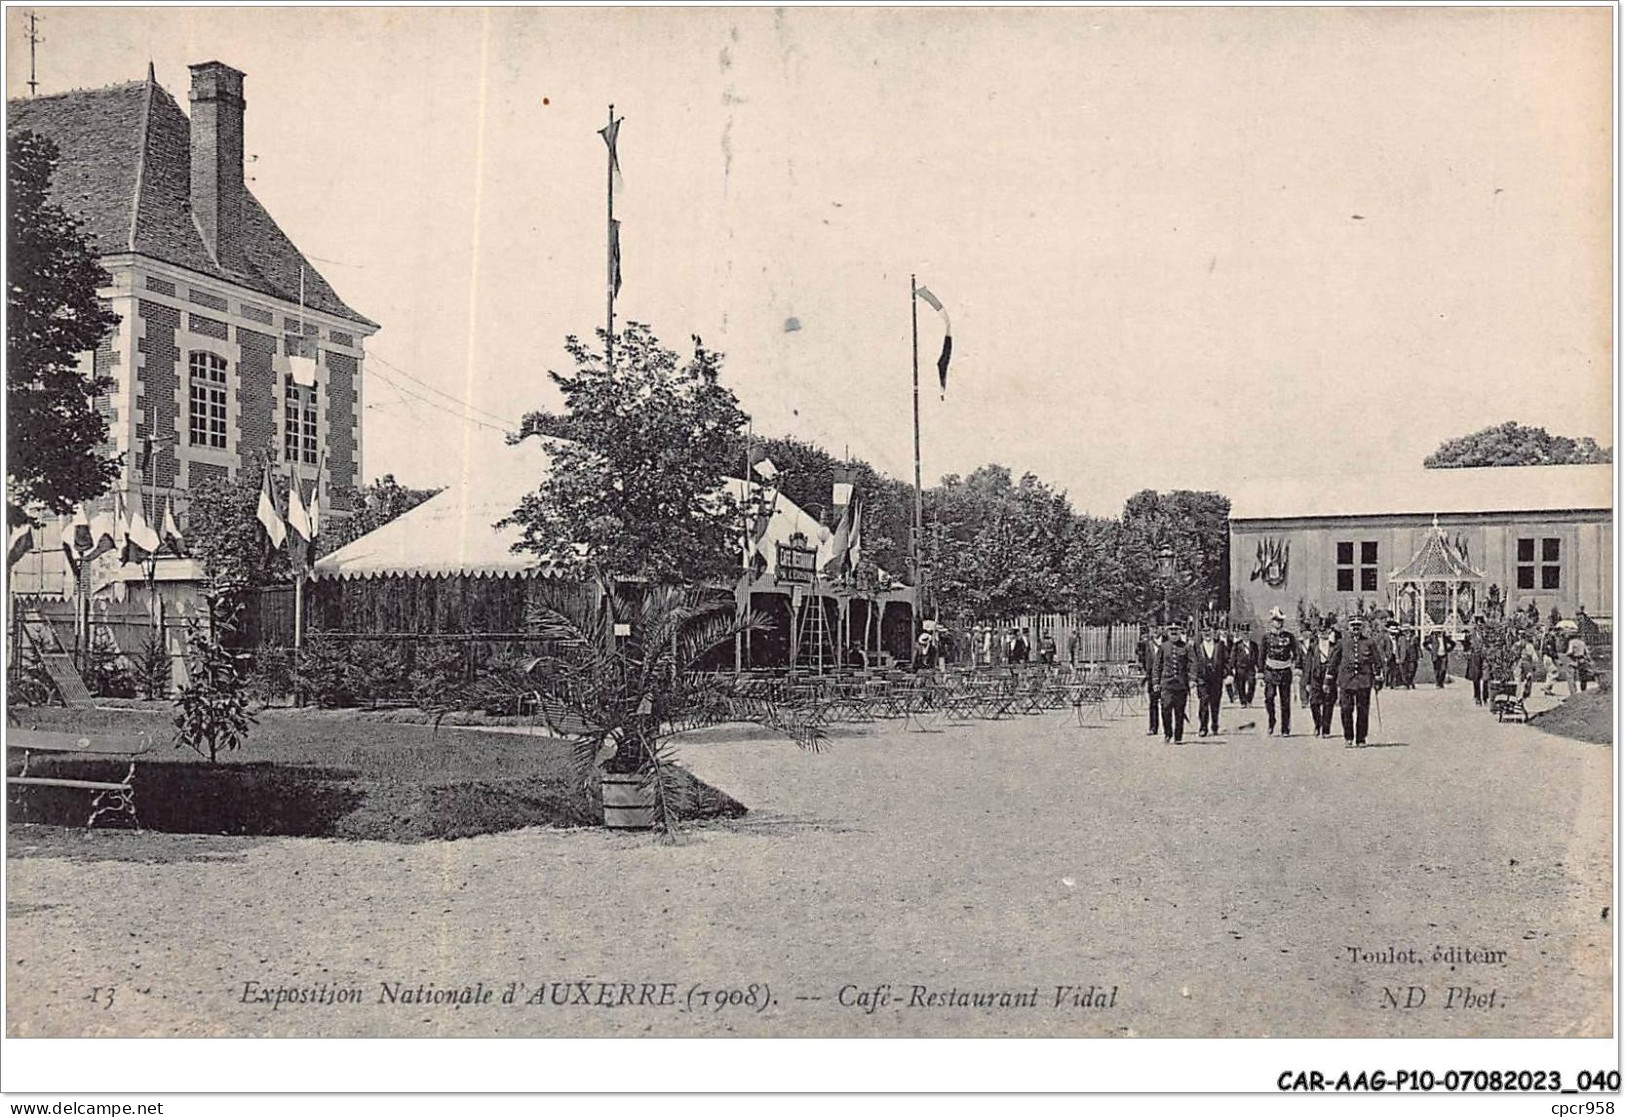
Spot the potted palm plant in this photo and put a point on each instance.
(622, 679)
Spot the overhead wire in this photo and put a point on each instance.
(463, 404)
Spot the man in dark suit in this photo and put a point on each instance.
(1211, 665)
(1243, 657)
(1150, 645)
(1319, 681)
(1357, 664)
(1440, 645)
(1176, 670)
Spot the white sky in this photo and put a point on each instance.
(1141, 221)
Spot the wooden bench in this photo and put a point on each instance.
(111, 796)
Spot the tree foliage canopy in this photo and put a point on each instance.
(55, 433)
(638, 462)
(371, 507)
(225, 536)
(1514, 444)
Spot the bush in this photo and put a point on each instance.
(152, 667)
(270, 674)
(106, 675)
(333, 673)
(321, 671)
(436, 680)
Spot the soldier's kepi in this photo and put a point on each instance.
(1280, 652)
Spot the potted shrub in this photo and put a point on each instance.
(621, 683)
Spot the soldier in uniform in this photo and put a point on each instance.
(1176, 670)
(1280, 653)
(1319, 683)
(1357, 664)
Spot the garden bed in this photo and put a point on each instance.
(1588, 716)
(321, 777)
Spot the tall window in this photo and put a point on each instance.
(1362, 572)
(208, 399)
(1549, 567)
(299, 423)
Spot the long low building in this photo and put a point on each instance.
(1541, 534)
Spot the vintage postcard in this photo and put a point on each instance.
(813, 523)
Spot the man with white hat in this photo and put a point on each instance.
(1280, 653)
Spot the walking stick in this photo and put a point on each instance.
(1376, 700)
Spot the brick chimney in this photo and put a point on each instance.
(217, 158)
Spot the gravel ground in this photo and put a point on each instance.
(1217, 888)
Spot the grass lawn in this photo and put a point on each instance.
(1585, 717)
(334, 777)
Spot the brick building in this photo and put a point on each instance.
(212, 300)
(1538, 534)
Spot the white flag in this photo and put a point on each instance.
(766, 470)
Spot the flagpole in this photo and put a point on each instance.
(609, 237)
(919, 516)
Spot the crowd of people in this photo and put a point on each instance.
(1334, 669)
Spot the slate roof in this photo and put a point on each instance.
(126, 172)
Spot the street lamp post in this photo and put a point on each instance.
(1165, 560)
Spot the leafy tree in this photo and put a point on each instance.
(55, 433)
(636, 489)
(371, 507)
(998, 548)
(1195, 526)
(224, 535)
(1513, 444)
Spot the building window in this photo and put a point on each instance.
(299, 423)
(1549, 568)
(1365, 571)
(208, 400)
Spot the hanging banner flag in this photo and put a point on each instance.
(854, 548)
(615, 255)
(268, 515)
(765, 469)
(22, 541)
(947, 336)
(172, 530)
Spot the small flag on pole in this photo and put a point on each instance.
(268, 515)
(947, 336)
(611, 132)
(766, 470)
(140, 540)
(172, 530)
(615, 255)
(316, 497)
(298, 518)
